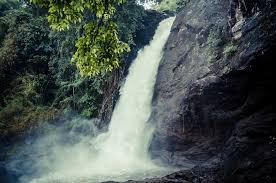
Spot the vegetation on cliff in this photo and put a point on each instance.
(38, 80)
(170, 5)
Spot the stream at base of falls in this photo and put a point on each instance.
(121, 153)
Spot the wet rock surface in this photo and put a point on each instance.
(214, 100)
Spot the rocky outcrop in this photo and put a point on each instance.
(214, 97)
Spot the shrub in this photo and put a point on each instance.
(171, 5)
(230, 50)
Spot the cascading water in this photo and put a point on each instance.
(121, 153)
(126, 143)
(147, 4)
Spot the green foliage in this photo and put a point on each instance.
(38, 81)
(101, 53)
(99, 48)
(213, 42)
(230, 50)
(8, 4)
(25, 106)
(24, 54)
(85, 95)
(130, 20)
(28, 35)
(171, 5)
(213, 39)
(11, 110)
(64, 13)
(31, 88)
(7, 53)
(218, 47)
(80, 94)
(166, 5)
(25, 46)
(15, 119)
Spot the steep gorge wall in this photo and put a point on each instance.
(214, 101)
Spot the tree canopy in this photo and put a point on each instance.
(98, 47)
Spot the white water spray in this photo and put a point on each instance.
(122, 152)
(126, 143)
(147, 4)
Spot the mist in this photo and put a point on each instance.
(79, 152)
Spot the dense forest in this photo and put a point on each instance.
(39, 82)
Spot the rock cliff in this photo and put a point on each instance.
(214, 100)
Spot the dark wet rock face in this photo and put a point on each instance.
(214, 100)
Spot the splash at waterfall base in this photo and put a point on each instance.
(119, 154)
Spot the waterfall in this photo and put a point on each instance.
(119, 154)
(147, 4)
(127, 140)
